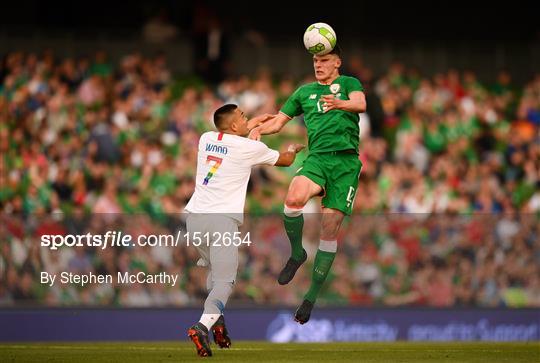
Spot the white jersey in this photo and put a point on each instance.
(224, 165)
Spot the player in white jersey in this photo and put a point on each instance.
(224, 163)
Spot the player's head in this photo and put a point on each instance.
(231, 120)
(326, 66)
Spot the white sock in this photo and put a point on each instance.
(209, 319)
(328, 246)
(292, 212)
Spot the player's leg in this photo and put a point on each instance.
(224, 266)
(200, 223)
(198, 333)
(302, 188)
(331, 221)
(338, 202)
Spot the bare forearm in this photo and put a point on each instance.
(258, 120)
(356, 102)
(286, 158)
(270, 127)
(274, 125)
(355, 106)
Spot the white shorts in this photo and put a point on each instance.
(222, 260)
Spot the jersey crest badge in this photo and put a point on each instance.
(334, 88)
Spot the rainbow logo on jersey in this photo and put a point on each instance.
(217, 163)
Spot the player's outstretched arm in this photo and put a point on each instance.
(286, 158)
(258, 120)
(270, 127)
(356, 102)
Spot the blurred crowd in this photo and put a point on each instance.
(83, 136)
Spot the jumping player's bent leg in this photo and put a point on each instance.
(293, 221)
(331, 221)
(300, 191)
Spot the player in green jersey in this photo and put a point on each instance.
(330, 107)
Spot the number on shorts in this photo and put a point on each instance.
(350, 196)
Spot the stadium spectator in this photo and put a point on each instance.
(83, 135)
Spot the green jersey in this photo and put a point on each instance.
(335, 130)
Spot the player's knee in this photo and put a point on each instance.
(294, 201)
(291, 211)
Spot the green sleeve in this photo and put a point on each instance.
(293, 106)
(354, 84)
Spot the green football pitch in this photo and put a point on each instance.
(267, 352)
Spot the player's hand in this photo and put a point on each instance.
(258, 120)
(296, 148)
(255, 134)
(330, 102)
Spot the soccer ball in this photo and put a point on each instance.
(320, 38)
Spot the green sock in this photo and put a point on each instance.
(321, 267)
(294, 227)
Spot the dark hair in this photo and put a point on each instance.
(220, 116)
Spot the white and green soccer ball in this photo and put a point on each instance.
(320, 38)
